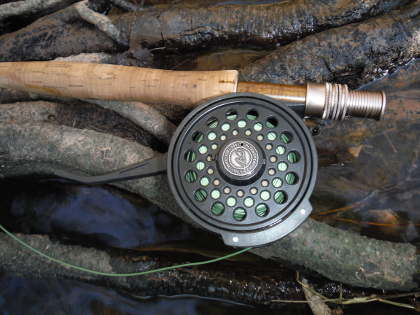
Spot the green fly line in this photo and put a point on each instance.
(108, 274)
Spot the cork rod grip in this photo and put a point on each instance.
(112, 82)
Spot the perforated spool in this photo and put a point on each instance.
(255, 163)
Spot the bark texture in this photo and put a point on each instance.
(353, 54)
(224, 280)
(258, 24)
(16, 8)
(59, 34)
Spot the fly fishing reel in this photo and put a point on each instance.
(243, 166)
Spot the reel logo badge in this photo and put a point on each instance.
(240, 158)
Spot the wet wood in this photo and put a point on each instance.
(17, 8)
(60, 34)
(353, 54)
(227, 280)
(264, 24)
(64, 33)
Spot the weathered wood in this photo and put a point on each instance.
(102, 22)
(28, 7)
(265, 24)
(354, 54)
(142, 115)
(228, 280)
(63, 33)
(60, 34)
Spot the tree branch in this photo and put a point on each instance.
(102, 22)
(336, 254)
(144, 116)
(228, 280)
(354, 54)
(27, 7)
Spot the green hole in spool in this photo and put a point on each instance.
(248, 202)
(190, 156)
(197, 137)
(280, 197)
(200, 195)
(277, 182)
(293, 157)
(225, 127)
(204, 181)
(271, 136)
(261, 210)
(265, 195)
(239, 214)
(200, 165)
(231, 201)
(212, 122)
(280, 150)
(217, 208)
(231, 115)
(191, 176)
(282, 166)
(211, 136)
(242, 124)
(286, 137)
(291, 178)
(258, 127)
(271, 122)
(252, 115)
(215, 194)
(202, 149)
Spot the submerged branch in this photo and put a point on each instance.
(228, 280)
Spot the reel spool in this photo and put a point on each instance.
(242, 165)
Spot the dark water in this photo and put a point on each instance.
(22, 296)
(105, 216)
(108, 217)
(102, 216)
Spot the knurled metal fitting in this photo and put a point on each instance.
(336, 102)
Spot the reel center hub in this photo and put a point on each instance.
(241, 161)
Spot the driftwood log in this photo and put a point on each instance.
(39, 135)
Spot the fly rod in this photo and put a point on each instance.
(187, 88)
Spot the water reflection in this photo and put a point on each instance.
(101, 214)
(21, 296)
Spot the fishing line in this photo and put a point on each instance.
(108, 274)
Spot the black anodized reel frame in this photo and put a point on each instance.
(216, 200)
